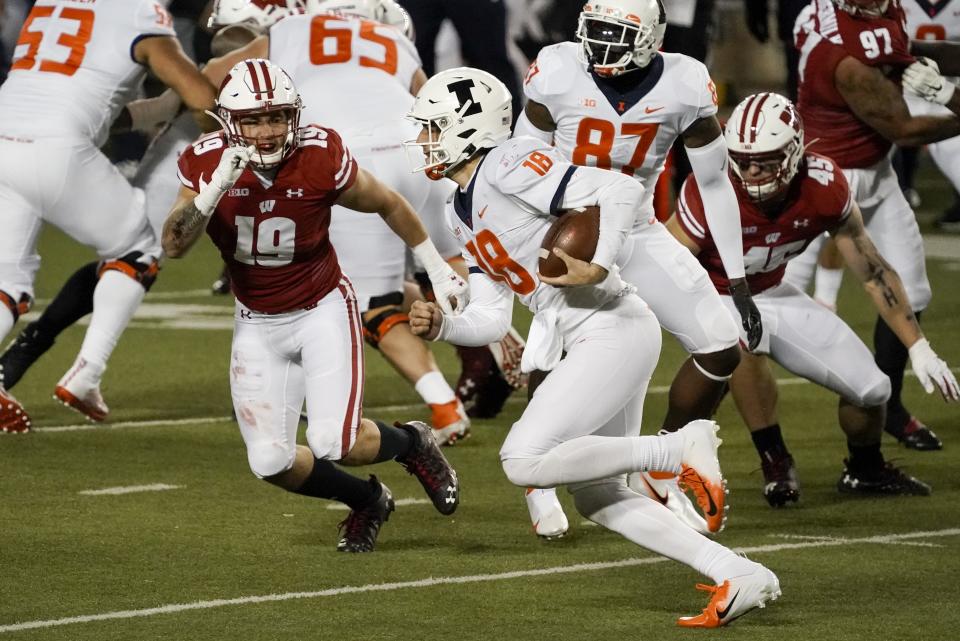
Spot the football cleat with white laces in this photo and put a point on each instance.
(700, 470)
(450, 422)
(664, 488)
(735, 597)
(13, 418)
(546, 513)
(79, 389)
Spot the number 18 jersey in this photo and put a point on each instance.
(73, 68)
(630, 132)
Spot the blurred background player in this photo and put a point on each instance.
(853, 53)
(297, 332)
(581, 428)
(610, 100)
(57, 106)
(787, 199)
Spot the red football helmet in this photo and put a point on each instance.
(866, 8)
(254, 88)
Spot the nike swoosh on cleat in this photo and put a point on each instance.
(663, 499)
(721, 614)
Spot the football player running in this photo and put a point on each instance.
(581, 428)
(75, 66)
(788, 198)
(262, 189)
(853, 56)
(611, 100)
(347, 45)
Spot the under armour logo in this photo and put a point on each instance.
(295, 193)
(245, 313)
(451, 494)
(267, 206)
(797, 224)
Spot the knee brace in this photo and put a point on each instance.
(135, 265)
(16, 307)
(269, 458)
(377, 326)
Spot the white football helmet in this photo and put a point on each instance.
(614, 34)
(766, 130)
(258, 14)
(255, 87)
(866, 8)
(383, 11)
(463, 110)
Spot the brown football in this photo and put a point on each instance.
(575, 232)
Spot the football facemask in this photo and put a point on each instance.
(617, 36)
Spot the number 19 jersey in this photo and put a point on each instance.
(630, 132)
(73, 68)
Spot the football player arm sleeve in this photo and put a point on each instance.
(619, 199)
(184, 225)
(487, 317)
(886, 289)
(710, 164)
(535, 120)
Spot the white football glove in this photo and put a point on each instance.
(932, 371)
(232, 163)
(923, 79)
(448, 284)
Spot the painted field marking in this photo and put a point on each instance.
(800, 537)
(371, 409)
(398, 502)
(450, 580)
(131, 489)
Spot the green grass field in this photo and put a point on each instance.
(223, 556)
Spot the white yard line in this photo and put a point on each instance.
(370, 409)
(450, 580)
(399, 502)
(801, 537)
(130, 489)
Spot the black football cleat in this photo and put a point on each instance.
(780, 477)
(358, 532)
(426, 461)
(887, 481)
(914, 435)
(22, 352)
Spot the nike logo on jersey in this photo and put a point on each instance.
(722, 614)
(482, 211)
(653, 110)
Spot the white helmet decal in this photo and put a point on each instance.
(765, 129)
(463, 110)
(615, 34)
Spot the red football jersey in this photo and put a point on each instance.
(818, 200)
(826, 35)
(274, 236)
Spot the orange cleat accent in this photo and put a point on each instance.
(91, 406)
(735, 597)
(711, 498)
(710, 617)
(450, 422)
(13, 418)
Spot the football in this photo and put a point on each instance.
(575, 232)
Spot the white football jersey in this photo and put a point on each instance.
(933, 20)
(354, 75)
(631, 132)
(73, 68)
(502, 217)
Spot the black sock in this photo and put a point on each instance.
(327, 481)
(72, 302)
(891, 357)
(395, 442)
(865, 459)
(769, 439)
